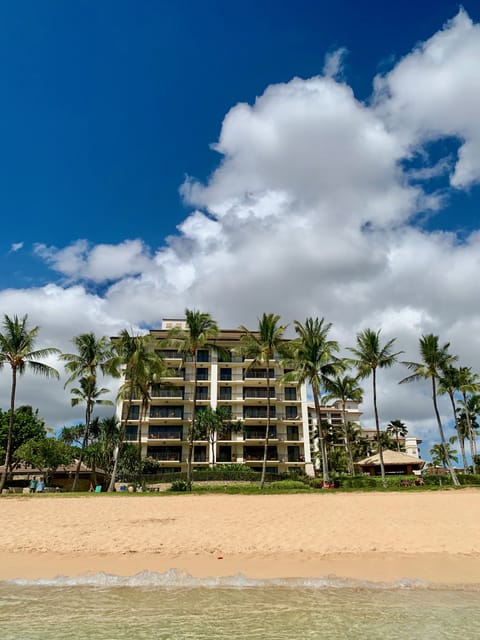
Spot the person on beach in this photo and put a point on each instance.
(40, 485)
(33, 484)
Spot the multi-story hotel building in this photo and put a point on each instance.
(231, 380)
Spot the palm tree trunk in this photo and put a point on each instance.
(347, 439)
(192, 430)
(267, 429)
(121, 438)
(442, 435)
(88, 415)
(321, 437)
(459, 435)
(8, 453)
(377, 426)
(398, 442)
(470, 434)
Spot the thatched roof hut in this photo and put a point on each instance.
(394, 462)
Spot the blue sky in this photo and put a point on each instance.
(305, 158)
(107, 106)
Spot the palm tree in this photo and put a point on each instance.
(92, 354)
(262, 346)
(441, 454)
(371, 355)
(397, 429)
(140, 365)
(313, 361)
(89, 395)
(211, 421)
(469, 383)
(344, 389)
(448, 383)
(435, 358)
(200, 331)
(17, 342)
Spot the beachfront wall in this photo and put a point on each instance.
(230, 381)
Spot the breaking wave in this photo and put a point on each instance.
(174, 579)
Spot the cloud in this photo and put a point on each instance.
(16, 246)
(101, 263)
(333, 66)
(433, 92)
(309, 212)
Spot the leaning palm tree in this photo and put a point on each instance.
(313, 361)
(140, 365)
(371, 355)
(17, 342)
(87, 393)
(262, 346)
(435, 358)
(199, 333)
(92, 354)
(397, 429)
(344, 388)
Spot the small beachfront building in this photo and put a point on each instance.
(394, 462)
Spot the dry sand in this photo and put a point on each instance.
(433, 536)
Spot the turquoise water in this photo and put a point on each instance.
(176, 607)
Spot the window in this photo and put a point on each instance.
(291, 413)
(259, 373)
(131, 433)
(203, 355)
(225, 393)
(165, 433)
(165, 391)
(166, 412)
(292, 432)
(133, 412)
(290, 393)
(258, 412)
(202, 393)
(225, 373)
(202, 373)
(258, 392)
(167, 353)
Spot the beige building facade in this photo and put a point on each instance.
(234, 382)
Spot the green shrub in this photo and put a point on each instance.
(179, 485)
(288, 484)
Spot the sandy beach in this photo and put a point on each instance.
(432, 536)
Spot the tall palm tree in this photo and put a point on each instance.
(344, 388)
(448, 383)
(92, 354)
(140, 366)
(435, 358)
(397, 429)
(201, 329)
(469, 383)
(262, 346)
(87, 393)
(17, 349)
(371, 355)
(313, 362)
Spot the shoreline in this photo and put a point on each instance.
(375, 537)
(432, 569)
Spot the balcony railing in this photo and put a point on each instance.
(165, 435)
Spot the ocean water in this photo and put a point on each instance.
(175, 606)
